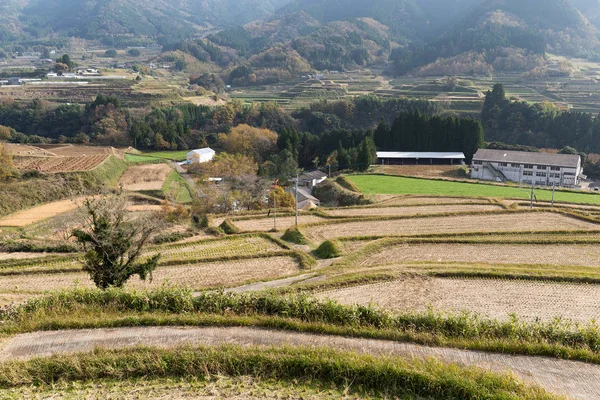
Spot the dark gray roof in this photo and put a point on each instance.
(524, 157)
(309, 176)
(303, 195)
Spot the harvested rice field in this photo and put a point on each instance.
(412, 210)
(529, 300)
(551, 254)
(214, 248)
(509, 222)
(196, 276)
(266, 224)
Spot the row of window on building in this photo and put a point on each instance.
(525, 166)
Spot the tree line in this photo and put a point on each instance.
(540, 125)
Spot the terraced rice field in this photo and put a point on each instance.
(529, 300)
(213, 249)
(189, 252)
(551, 254)
(412, 210)
(514, 222)
(266, 224)
(195, 275)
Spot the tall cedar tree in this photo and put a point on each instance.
(114, 243)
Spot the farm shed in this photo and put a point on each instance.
(419, 158)
(200, 155)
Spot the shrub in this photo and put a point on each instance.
(229, 228)
(329, 249)
(204, 222)
(172, 237)
(332, 194)
(294, 235)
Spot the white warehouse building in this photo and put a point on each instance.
(542, 169)
(200, 155)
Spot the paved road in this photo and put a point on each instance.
(575, 379)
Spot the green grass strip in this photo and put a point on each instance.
(86, 308)
(387, 376)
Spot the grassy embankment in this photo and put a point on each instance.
(157, 156)
(80, 309)
(28, 193)
(381, 184)
(175, 188)
(356, 374)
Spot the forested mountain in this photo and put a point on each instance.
(114, 20)
(409, 36)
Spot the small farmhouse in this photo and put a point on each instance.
(200, 155)
(311, 179)
(419, 158)
(305, 200)
(542, 169)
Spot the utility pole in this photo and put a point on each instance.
(296, 190)
(553, 189)
(532, 194)
(275, 212)
(329, 170)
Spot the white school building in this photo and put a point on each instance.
(541, 169)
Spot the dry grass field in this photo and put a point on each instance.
(40, 213)
(412, 210)
(516, 222)
(529, 300)
(145, 177)
(550, 254)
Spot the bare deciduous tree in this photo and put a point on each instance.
(113, 242)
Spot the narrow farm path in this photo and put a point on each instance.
(278, 283)
(575, 379)
(188, 179)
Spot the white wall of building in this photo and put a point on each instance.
(541, 175)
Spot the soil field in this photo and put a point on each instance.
(551, 254)
(421, 171)
(396, 200)
(416, 210)
(60, 164)
(454, 224)
(196, 276)
(69, 150)
(39, 213)
(529, 300)
(145, 177)
(21, 150)
(266, 224)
